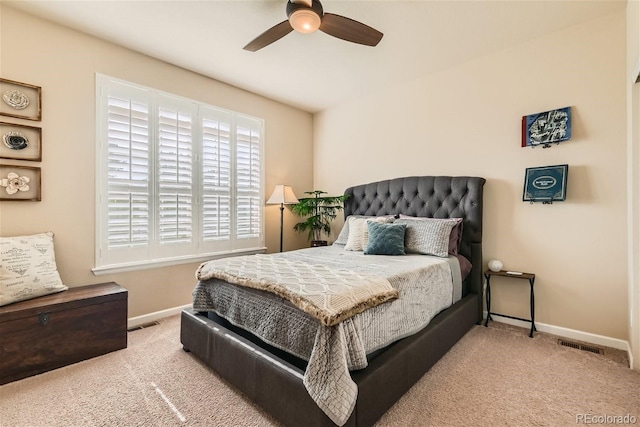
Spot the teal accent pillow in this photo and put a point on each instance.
(385, 239)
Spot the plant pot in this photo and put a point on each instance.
(316, 243)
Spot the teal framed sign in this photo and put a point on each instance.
(546, 184)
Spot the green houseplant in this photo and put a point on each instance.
(319, 211)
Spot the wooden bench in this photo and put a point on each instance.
(56, 330)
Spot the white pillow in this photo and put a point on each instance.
(28, 268)
(358, 239)
(344, 233)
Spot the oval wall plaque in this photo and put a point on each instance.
(544, 182)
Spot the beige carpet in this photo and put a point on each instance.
(494, 376)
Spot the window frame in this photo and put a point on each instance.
(155, 253)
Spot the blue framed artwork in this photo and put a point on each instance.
(546, 128)
(545, 184)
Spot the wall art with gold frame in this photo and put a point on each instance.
(20, 183)
(20, 142)
(20, 100)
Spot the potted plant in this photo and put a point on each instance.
(319, 211)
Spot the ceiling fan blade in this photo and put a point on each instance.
(350, 30)
(272, 34)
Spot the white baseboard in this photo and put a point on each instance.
(133, 322)
(569, 333)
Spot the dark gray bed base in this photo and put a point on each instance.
(276, 385)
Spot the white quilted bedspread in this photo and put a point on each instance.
(329, 294)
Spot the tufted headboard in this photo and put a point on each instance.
(432, 197)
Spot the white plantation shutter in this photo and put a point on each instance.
(248, 180)
(177, 180)
(125, 196)
(216, 177)
(128, 171)
(175, 174)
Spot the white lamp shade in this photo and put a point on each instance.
(282, 194)
(305, 21)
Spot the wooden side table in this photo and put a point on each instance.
(515, 275)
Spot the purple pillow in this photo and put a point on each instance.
(465, 266)
(456, 232)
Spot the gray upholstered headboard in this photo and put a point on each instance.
(432, 197)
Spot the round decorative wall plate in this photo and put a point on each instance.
(15, 99)
(15, 140)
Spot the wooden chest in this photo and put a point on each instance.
(52, 331)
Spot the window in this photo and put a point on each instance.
(177, 180)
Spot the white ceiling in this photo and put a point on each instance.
(316, 71)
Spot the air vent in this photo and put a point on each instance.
(146, 325)
(582, 347)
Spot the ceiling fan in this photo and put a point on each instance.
(307, 16)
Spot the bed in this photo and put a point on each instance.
(275, 379)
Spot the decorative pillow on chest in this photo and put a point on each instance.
(28, 268)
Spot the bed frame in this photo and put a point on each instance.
(274, 382)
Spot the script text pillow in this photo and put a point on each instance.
(28, 268)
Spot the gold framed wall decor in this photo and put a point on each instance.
(20, 142)
(20, 183)
(20, 100)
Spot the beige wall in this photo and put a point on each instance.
(633, 171)
(466, 121)
(64, 63)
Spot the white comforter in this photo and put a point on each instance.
(426, 286)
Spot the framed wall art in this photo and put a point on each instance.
(20, 100)
(545, 184)
(20, 142)
(19, 183)
(546, 128)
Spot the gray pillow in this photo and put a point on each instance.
(428, 237)
(385, 239)
(455, 238)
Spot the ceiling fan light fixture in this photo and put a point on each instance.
(307, 16)
(305, 20)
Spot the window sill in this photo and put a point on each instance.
(166, 262)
